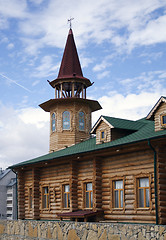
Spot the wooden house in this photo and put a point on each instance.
(117, 176)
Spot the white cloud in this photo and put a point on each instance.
(103, 74)
(36, 2)
(14, 8)
(34, 116)
(101, 66)
(10, 46)
(153, 33)
(23, 134)
(124, 23)
(46, 68)
(131, 106)
(35, 83)
(135, 98)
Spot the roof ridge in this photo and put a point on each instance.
(121, 118)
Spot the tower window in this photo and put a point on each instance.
(81, 121)
(66, 120)
(53, 122)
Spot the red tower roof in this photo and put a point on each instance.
(70, 66)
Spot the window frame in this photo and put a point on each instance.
(30, 198)
(112, 193)
(79, 120)
(101, 137)
(53, 130)
(47, 196)
(66, 129)
(89, 193)
(161, 119)
(137, 192)
(68, 196)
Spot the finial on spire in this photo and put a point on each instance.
(69, 20)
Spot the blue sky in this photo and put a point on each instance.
(121, 46)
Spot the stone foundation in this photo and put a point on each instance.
(41, 230)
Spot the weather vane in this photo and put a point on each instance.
(69, 20)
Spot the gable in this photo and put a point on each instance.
(151, 114)
(103, 132)
(158, 114)
(109, 128)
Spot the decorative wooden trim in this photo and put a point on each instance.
(81, 130)
(43, 185)
(84, 182)
(163, 125)
(30, 194)
(52, 132)
(112, 203)
(62, 194)
(101, 137)
(71, 119)
(136, 177)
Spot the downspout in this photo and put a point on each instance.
(16, 198)
(16, 195)
(155, 180)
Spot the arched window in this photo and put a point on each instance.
(66, 120)
(81, 121)
(53, 122)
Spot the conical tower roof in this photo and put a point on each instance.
(70, 66)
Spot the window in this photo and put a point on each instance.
(9, 208)
(163, 119)
(66, 196)
(118, 193)
(30, 198)
(143, 192)
(81, 121)
(88, 195)
(53, 122)
(66, 120)
(45, 197)
(9, 195)
(102, 135)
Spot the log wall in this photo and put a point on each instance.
(107, 132)
(161, 172)
(122, 164)
(128, 167)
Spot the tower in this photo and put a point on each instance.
(70, 111)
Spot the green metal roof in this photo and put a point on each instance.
(123, 123)
(145, 131)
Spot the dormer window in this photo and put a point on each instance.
(163, 120)
(102, 135)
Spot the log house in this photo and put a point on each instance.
(117, 176)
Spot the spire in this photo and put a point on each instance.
(70, 65)
(70, 69)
